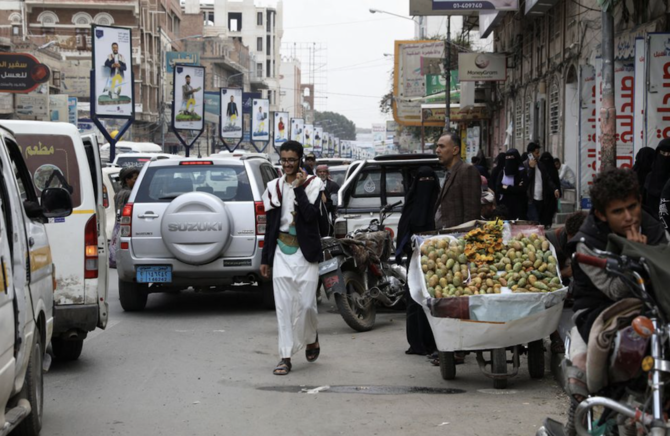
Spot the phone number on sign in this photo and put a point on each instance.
(467, 5)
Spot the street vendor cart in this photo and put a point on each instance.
(488, 288)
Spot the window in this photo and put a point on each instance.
(527, 120)
(259, 44)
(83, 38)
(16, 30)
(518, 120)
(259, 19)
(104, 19)
(259, 70)
(553, 109)
(268, 45)
(82, 19)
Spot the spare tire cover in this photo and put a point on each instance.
(195, 227)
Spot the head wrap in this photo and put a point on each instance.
(643, 163)
(322, 168)
(512, 164)
(660, 170)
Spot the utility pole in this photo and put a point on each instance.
(608, 108)
(447, 73)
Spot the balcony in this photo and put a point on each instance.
(539, 7)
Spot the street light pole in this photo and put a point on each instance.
(420, 22)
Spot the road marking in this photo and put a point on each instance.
(98, 332)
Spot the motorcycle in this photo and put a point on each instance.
(358, 272)
(634, 401)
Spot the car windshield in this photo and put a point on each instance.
(128, 161)
(163, 184)
(338, 176)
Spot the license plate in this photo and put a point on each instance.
(328, 266)
(154, 274)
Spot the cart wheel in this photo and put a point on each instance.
(447, 365)
(536, 359)
(499, 366)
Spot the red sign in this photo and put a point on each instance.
(21, 72)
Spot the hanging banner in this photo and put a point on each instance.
(624, 100)
(281, 120)
(588, 132)
(72, 110)
(189, 101)
(297, 129)
(324, 143)
(58, 108)
(248, 98)
(318, 138)
(308, 144)
(658, 94)
(21, 72)
(231, 118)
(599, 105)
(640, 120)
(112, 69)
(260, 120)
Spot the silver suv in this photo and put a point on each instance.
(193, 222)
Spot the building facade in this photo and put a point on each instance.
(290, 98)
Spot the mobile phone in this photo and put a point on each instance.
(530, 156)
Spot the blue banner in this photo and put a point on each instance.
(72, 110)
(180, 57)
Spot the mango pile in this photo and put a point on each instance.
(452, 269)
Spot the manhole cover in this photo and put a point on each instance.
(368, 390)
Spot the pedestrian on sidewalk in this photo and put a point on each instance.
(497, 169)
(549, 197)
(539, 183)
(643, 163)
(417, 218)
(658, 177)
(460, 198)
(566, 176)
(511, 186)
(291, 255)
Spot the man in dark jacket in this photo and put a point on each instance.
(293, 250)
(539, 182)
(617, 208)
(330, 192)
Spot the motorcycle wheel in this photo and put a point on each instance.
(447, 365)
(536, 359)
(357, 312)
(499, 366)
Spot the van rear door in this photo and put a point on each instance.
(7, 317)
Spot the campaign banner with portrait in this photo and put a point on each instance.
(189, 98)
(318, 138)
(281, 120)
(260, 120)
(297, 129)
(231, 113)
(113, 72)
(308, 144)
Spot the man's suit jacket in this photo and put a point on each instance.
(461, 197)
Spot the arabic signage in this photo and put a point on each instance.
(58, 108)
(482, 67)
(260, 120)
(189, 102)
(433, 115)
(640, 136)
(180, 57)
(459, 7)
(658, 94)
(21, 72)
(231, 118)
(76, 81)
(379, 133)
(112, 69)
(587, 131)
(32, 107)
(624, 86)
(408, 83)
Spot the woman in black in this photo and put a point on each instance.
(511, 185)
(643, 163)
(549, 199)
(417, 217)
(497, 169)
(658, 177)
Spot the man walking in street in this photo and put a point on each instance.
(292, 253)
(460, 198)
(310, 163)
(331, 191)
(538, 181)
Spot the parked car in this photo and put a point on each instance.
(58, 156)
(333, 161)
(129, 147)
(26, 289)
(138, 160)
(193, 222)
(374, 183)
(111, 185)
(338, 173)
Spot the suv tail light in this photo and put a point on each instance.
(126, 221)
(91, 248)
(340, 229)
(196, 162)
(261, 218)
(105, 197)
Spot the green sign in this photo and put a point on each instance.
(435, 86)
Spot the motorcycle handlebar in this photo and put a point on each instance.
(597, 262)
(392, 206)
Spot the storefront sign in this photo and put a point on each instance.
(459, 7)
(482, 67)
(32, 107)
(21, 72)
(658, 94)
(76, 81)
(587, 130)
(640, 131)
(58, 108)
(624, 86)
(433, 116)
(180, 57)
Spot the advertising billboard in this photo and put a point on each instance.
(308, 136)
(318, 138)
(260, 120)
(231, 116)
(112, 69)
(459, 7)
(281, 120)
(624, 87)
(482, 67)
(21, 72)
(189, 98)
(297, 129)
(58, 108)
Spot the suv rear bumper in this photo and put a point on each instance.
(183, 274)
(83, 317)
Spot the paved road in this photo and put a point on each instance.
(201, 364)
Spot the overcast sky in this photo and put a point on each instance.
(356, 41)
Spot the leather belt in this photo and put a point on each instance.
(288, 239)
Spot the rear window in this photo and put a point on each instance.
(126, 162)
(369, 184)
(338, 176)
(163, 184)
(116, 183)
(52, 163)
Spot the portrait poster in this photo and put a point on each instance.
(318, 138)
(308, 144)
(189, 97)
(281, 123)
(260, 120)
(297, 129)
(231, 113)
(112, 69)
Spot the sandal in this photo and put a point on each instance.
(283, 367)
(574, 381)
(313, 353)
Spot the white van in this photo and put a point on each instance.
(129, 147)
(26, 289)
(79, 242)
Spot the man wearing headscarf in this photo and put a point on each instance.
(643, 163)
(416, 218)
(658, 177)
(511, 186)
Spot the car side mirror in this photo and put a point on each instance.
(56, 202)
